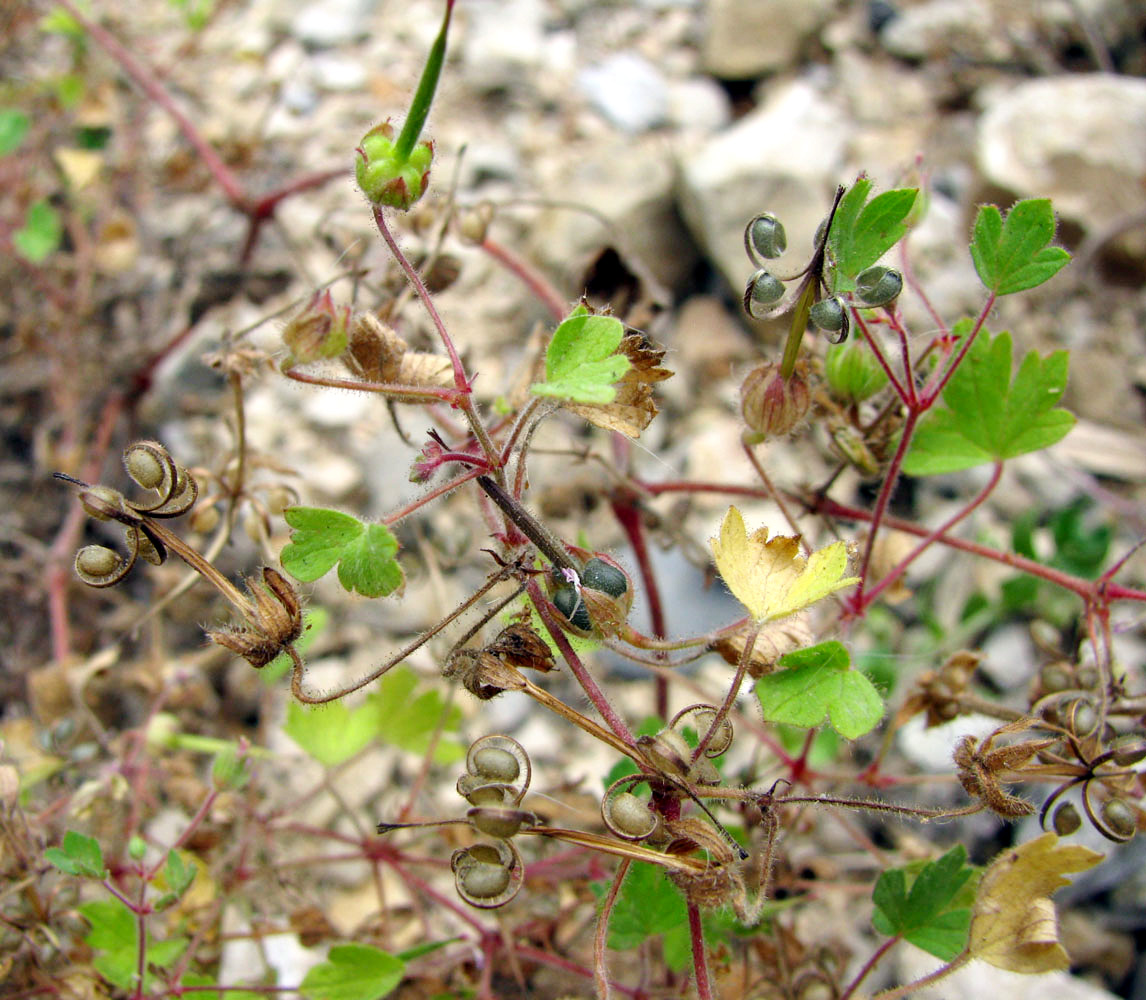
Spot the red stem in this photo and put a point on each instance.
(584, 678)
(699, 959)
(629, 516)
(600, 972)
(870, 964)
(532, 278)
(915, 553)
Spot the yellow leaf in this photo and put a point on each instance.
(80, 166)
(1013, 924)
(769, 576)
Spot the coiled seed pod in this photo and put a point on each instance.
(701, 718)
(497, 771)
(627, 816)
(830, 316)
(764, 237)
(763, 289)
(878, 285)
(1120, 818)
(487, 875)
(1066, 820)
(99, 566)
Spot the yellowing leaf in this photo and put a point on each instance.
(769, 576)
(1013, 923)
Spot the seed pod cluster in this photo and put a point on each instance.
(489, 874)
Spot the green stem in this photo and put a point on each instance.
(799, 325)
(424, 95)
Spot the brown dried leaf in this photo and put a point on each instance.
(773, 642)
(431, 370)
(1013, 923)
(633, 408)
(374, 352)
(520, 646)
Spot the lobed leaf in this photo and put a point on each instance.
(769, 576)
(819, 682)
(863, 231)
(1013, 256)
(988, 416)
(1013, 923)
(581, 363)
(363, 552)
(78, 855)
(935, 913)
(353, 972)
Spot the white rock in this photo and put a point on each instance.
(628, 90)
(979, 980)
(783, 158)
(338, 73)
(940, 27)
(698, 104)
(628, 182)
(1009, 657)
(1078, 140)
(329, 23)
(931, 749)
(503, 43)
(748, 38)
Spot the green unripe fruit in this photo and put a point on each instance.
(496, 764)
(765, 236)
(830, 316)
(384, 176)
(852, 372)
(879, 285)
(599, 575)
(567, 600)
(765, 288)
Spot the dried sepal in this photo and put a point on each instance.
(773, 641)
(983, 767)
(274, 622)
(519, 645)
(485, 676)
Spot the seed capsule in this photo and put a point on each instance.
(765, 237)
(830, 316)
(98, 566)
(1120, 817)
(879, 285)
(1066, 820)
(627, 816)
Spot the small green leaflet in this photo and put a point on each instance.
(13, 128)
(392, 714)
(649, 905)
(41, 234)
(863, 231)
(79, 855)
(580, 364)
(115, 935)
(1014, 256)
(353, 972)
(408, 720)
(988, 416)
(935, 913)
(819, 681)
(364, 552)
(177, 876)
